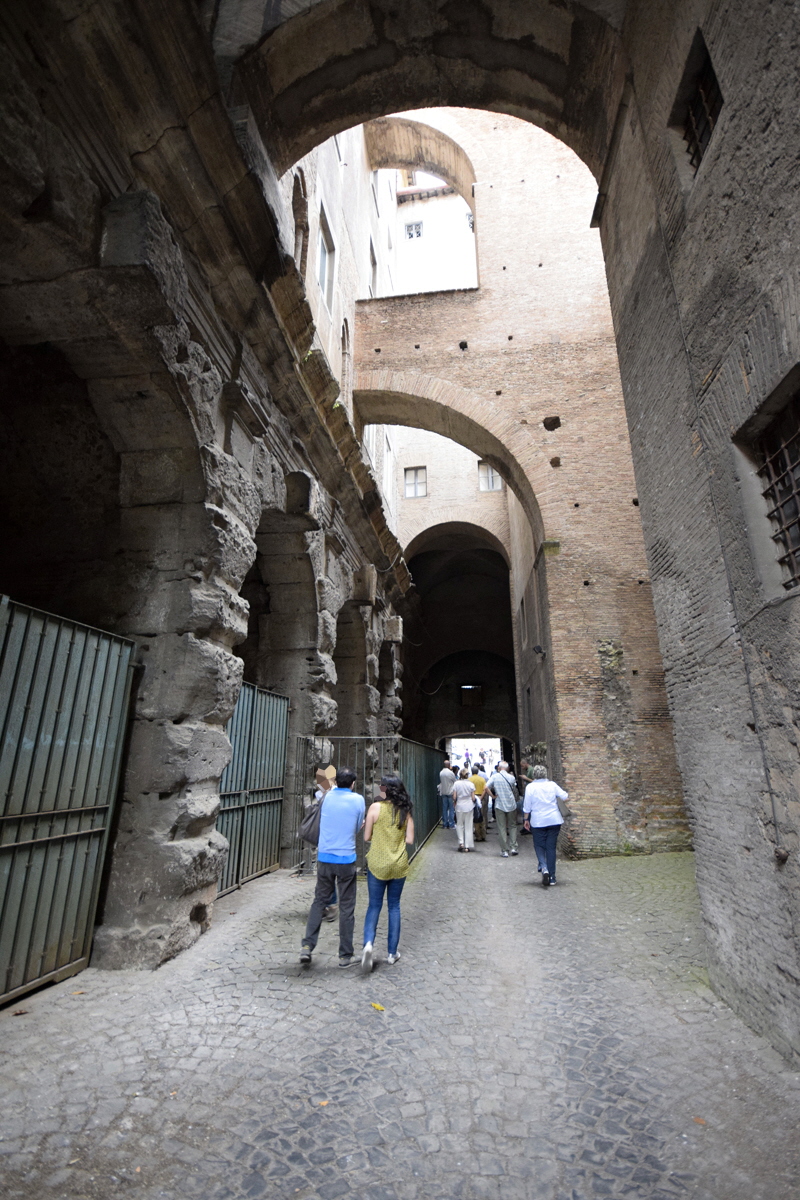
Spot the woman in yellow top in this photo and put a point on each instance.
(389, 828)
(479, 783)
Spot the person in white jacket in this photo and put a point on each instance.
(544, 820)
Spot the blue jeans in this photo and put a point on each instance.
(448, 815)
(377, 887)
(544, 843)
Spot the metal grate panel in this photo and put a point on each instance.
(63, 706)
(252, 786)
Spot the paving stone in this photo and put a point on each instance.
(530, 1045)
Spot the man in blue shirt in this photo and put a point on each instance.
(340, 820)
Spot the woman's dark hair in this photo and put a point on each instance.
(399, 798)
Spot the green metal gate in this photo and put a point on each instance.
(251, 788)
(371, 757)
(63, 705)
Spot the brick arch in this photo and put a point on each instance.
(469, 418)
(344, 62)
(427, 538)
(397, 142)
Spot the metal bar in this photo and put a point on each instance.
(56, 837)
(40, 814)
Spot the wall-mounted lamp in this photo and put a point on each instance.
(538, 650)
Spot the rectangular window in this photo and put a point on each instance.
(327, 257)
(523, 622)
(375, 191)
(471, 695)
(373, 270)
(414, 230)
(416, 480)
(703, 113)
(779, 455)
(697, 106)
(489, 479)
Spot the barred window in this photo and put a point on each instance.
(703, 113)
(416, 481)
(414, 230)
(779, 454)
(697, 106)
(471, 695)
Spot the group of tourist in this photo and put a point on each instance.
(467, 796)
(388, 826)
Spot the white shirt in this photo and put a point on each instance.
(446, 781)
(540, 802)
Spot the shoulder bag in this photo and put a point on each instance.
(309, 826)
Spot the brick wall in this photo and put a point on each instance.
(539, 345)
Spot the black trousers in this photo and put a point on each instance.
(342, 876)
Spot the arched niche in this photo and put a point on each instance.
(354, 691)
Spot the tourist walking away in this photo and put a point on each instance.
(446, 781)
(544, 819)
(481, 804)
(325, 778)
(503, 789)
(464, 801)
(341, 817)
(389, 830)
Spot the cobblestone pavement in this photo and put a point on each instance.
(556, 1045)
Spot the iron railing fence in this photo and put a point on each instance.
(370, 758)
(252, 786)
(64, 691)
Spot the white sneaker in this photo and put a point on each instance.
(504, 854)
(392, 958)
(515, 852)
(366, 958)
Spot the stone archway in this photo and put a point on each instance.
(399, 142)
(341, 63)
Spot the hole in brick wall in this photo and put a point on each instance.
(634, 672)
(641, 581)
(551, 423)
(164, 795)
(499, 392)
(576, 506)
(540, 264)
(635, 503)
(504, 268)
(586, 583)
(555, 462)
(511, 337)
(199, 914)
(462, 345)
(377, 350)
(416, 345)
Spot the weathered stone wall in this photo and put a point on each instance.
(703, 280)
(191, 434)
